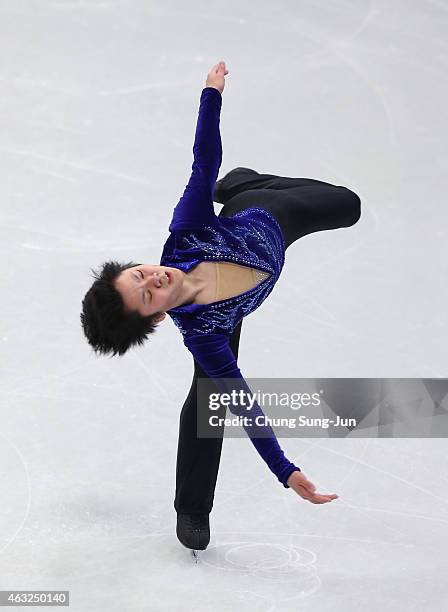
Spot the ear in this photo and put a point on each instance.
(161, 316)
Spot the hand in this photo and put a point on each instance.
(215, 77)
(301, 485)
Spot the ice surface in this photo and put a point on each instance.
(98, 107)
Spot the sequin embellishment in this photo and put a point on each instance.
(251, 237)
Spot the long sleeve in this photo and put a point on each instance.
(215, 356)
(195, 207)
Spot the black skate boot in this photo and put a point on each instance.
(193, 531)
(218, 195)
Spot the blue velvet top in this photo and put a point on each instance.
(253, 238)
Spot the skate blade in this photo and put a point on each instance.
(195, 555)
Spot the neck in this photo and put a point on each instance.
(193, 283)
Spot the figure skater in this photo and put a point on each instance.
(213, 272)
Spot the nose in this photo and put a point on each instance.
(155, 279)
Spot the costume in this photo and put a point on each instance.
(252, 238)
(263, 215)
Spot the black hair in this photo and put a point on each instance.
(107, 325)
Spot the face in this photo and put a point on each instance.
(149, 288)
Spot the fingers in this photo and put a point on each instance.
(315, 498)
(322, 499)
(306, 489)
(220, 66)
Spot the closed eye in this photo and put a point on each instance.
(148, 289)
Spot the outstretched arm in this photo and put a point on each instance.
(213, 353)
(195, 207)
(216, 358)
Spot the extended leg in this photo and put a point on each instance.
(198, 458)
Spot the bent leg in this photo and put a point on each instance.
(301, 206)
(239, 180)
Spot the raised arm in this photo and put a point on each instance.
(195, 207)
(213, 353)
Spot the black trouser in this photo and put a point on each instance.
(301, 206)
